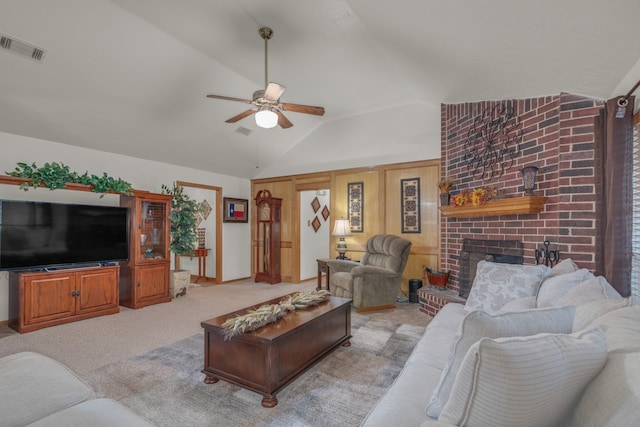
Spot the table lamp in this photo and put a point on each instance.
(341, 228)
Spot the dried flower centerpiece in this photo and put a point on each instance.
(445, 185)
(476, 197)
(270, 313)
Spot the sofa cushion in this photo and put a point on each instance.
(612, 397)
(34, 386)
(94, 413)
(555, 287)
(546, 375)
(479, 324)
(622, 328)
(406, 398)
(496, 284)
(433, 348)
(592, 289)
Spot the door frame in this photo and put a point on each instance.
(218, 243)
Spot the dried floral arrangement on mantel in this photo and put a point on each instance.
(270, 313)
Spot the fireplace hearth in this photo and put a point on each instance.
(476, 250)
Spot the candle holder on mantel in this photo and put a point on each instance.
(529, 179)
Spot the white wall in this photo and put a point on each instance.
(313, 245)
(394, 135)
(142, 174)
(209, 225)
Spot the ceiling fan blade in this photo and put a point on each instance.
(274, 91)
(282, 120)
(228, 98)
(306, 109)
(241, 116)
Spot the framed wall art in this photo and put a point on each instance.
(410, 204)
(235, 210)
(355, 205)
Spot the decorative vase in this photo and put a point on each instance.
(143, 239)
(444, 199)
(155, 236)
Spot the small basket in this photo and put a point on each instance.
(437, 279)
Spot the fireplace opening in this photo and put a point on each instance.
(476, 250)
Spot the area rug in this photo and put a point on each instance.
(166, 386)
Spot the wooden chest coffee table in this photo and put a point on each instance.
(268, 359)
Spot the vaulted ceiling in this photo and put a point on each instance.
(130, 77)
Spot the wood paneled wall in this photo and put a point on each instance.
(382, 212)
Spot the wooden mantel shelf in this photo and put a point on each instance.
(508, 206)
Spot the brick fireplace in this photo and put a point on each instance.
(559, 137)
(475, 250)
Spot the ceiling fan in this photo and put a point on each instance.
(267, 106)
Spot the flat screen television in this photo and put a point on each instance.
(37, 235)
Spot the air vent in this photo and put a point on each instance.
(244, 131)
(21, 48)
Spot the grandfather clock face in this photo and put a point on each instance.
(265, 212)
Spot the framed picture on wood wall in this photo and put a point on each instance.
(355, 206)
(235, 210)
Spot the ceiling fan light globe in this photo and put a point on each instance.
(266, 119)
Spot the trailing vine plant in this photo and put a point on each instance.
(57, 175)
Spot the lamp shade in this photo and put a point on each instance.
(266, 119)
(342, 228)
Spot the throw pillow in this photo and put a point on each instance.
(479, 324)
(592, 289)
(563, 267)
(524, 381)
(590, 311)
(519, 304)
(497, 283)
(555, 287)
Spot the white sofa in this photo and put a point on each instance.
(38, 391)
(531, 346)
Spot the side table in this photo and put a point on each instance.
(323, 267)
(202, 263)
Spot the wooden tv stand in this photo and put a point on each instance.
(40, 299)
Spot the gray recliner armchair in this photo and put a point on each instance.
(373, 283)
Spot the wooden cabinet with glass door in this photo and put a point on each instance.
(268, 238)
(145, 277)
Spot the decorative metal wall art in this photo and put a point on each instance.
(493, 142)
(355, 204)
(410, 204)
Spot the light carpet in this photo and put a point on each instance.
(165, 385)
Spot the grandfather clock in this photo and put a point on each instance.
(268, 237)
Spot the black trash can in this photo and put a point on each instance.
(414, 285)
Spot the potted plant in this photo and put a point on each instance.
(184, 220)
(445, 185)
